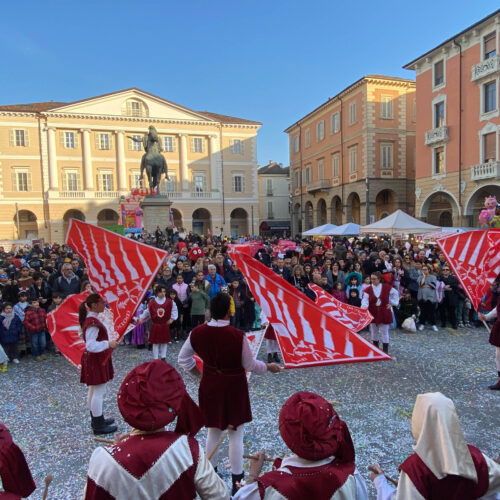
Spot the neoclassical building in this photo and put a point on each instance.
(74, 160)
(458, 125)
(352, 158)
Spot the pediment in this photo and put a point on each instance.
(120, 104)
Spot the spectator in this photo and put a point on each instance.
(199, 302)
(338, 291)
(166, 279)
(215, 280)
(40, 290)
(10, 332)
(447, 308)
(68, 283)
(35, 323)
(427, 298)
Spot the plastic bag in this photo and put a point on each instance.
(409, 325)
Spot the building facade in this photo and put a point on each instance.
(274, 199)
(458, 125)
(352, 158)
(74, 160)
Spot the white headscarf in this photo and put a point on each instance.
(440, 442)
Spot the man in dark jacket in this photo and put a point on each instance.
(68, 283)
(447, 308)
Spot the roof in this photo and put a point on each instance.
(411, 63)
(399, 222)
(273, 168)
(37, 107)
(348, 89)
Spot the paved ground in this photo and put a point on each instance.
(43, 403)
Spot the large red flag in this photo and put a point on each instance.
(307, 335)
(474, 257)
(351, 317)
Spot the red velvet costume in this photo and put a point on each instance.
(97, 368)
(450, 487)
(495, 329)
(270, 334)
(160, 315)
(381, 314)
(223, 392)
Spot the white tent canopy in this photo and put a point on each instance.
(399, 222)
(324, 230)
(349, 229)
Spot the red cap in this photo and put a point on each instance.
(153, 394)
(312, 429)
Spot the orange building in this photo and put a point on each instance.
(352, 158)
(458, 125)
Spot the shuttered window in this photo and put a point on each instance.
(386, 106)
(490, 96)
(439, 160)
(71, 180)
(103, 140)
(386, 155)
(490, 45)
(197, 145)
(489, 147)
(21, 179)
(439, 114)
(438, 73)
(168, 144)
(69, 140)
(135, 145)
(19, 137)
(238, 183)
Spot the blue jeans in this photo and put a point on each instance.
(38, 343)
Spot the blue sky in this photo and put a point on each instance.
(271, 61)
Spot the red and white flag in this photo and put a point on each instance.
(474, 257)
(307, 335)
(351, 317)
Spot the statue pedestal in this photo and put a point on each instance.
(156, 212)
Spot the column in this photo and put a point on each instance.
(88, 175)
(51, 143)
(120, 160)
(214, 181)
(183, 162)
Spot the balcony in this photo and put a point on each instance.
(318, 185)
(490, 170)
(487, 67)
(107, 194)
(190, 195)
(71, 194)
(435, 135)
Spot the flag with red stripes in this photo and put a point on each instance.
(474, 257)
(351, 317)
(307, 334)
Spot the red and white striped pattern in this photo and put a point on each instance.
(474, 257)
(119, 268)
(351, 317)
(307, 335)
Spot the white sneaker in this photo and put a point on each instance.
(435, 328)
(15, 361)
(420, 327)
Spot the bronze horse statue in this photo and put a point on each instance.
(152, 161)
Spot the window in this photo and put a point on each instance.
(307, 138)
(199, 181)
(237, 147)
(71, 180)
(19, 137)
(21, 179)
(269, 187)
(270, 214)
(168, 144)
(335, 123)
(197, 145)
(335, 164)
(135, 145)
(103, 141)
(136, 108)
(307, 175)
(439, 73)
(490, 45)
(321, 170)
(439, 160)
(135, 180)
(171, 183)
(238, 183)
(296, 179)
(386, 155)
(105, 181)
(439, 114)
(296, 144)
(489, 147)
(320, 130)
(386, 106)
(69, 140)
(414, 111)
(490, 97)
(352, 113)
(353, 159)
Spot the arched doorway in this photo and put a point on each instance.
(354, 208)
(321, 211)
(309, 216)
(297, 219)
(476, 203)
(27, 225)
(336, 211)
(440, 209)
(385, 202)
(107, 217)
(239, 222)
(202, 221)
(71, 214)
(176, 217)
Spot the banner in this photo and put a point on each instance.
(351, 317)
(474, 257)
(307, 335)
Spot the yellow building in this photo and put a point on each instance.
(63, 160)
